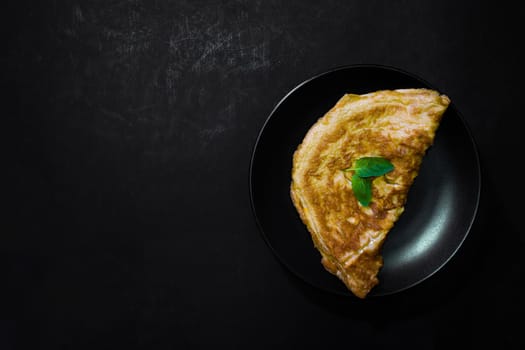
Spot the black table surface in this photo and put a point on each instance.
(130, 130)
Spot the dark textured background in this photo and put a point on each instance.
(129, 131)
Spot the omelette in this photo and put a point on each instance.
(396, 125)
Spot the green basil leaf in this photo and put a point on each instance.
(362, 187)
(372, 166)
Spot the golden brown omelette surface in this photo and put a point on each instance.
(398, 125)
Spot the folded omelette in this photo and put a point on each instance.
(396, 125)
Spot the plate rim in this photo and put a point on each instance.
(331, 71)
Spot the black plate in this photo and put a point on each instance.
(441, 204)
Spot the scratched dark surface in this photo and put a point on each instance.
(129, 131)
